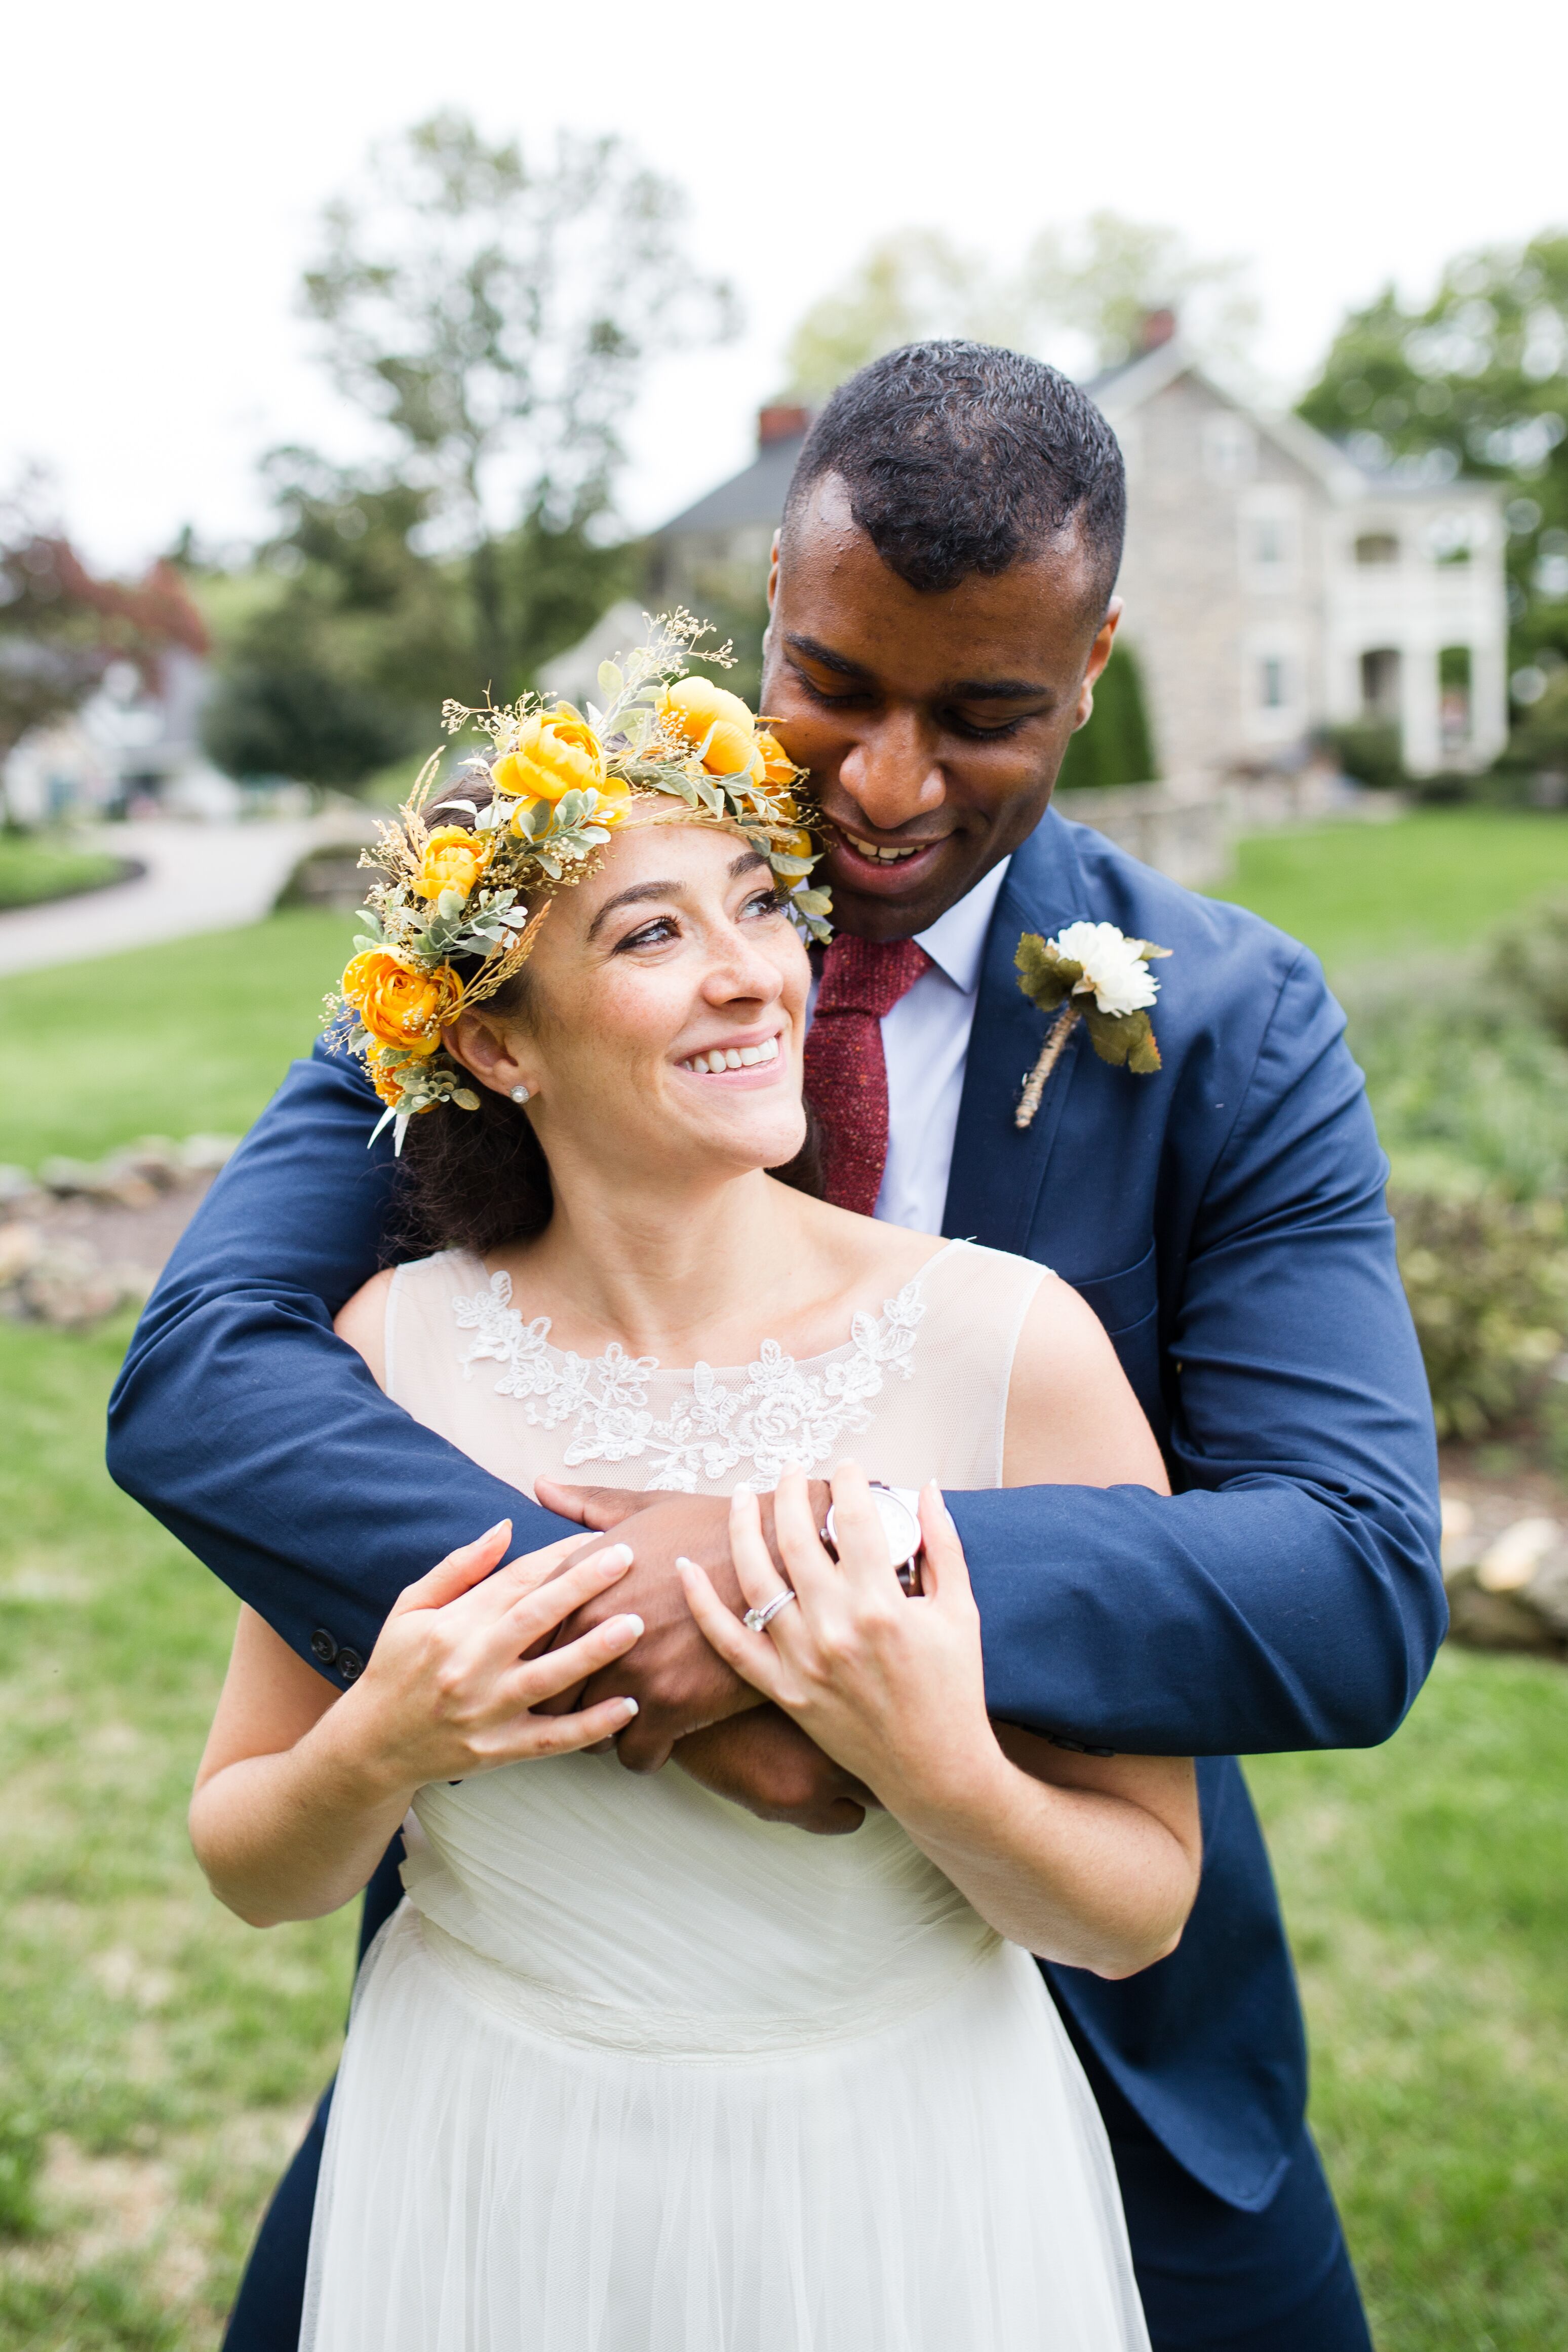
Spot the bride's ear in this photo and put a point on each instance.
(490, 1052)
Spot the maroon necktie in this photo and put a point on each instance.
(846, 1075)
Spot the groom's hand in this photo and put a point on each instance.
(679, 1684)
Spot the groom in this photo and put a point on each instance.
(942, 605)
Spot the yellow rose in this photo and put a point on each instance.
(798, 844)
(556, 752)
(399, 1005)
(778, 769)
(718, 723)
(454, 859)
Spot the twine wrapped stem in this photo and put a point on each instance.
(1050, 1054)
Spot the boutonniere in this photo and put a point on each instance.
(1094, 973)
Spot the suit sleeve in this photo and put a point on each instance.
(1288, 1594)
(234, 1382)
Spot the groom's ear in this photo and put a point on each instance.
(1098, 654)
(773, 573)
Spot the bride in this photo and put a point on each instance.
(629, 2070)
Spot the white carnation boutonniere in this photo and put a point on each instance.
(1094, 973)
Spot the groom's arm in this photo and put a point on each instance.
(252, 1432)
(1291, 1596)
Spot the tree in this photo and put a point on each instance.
(1095, 283)
(1476, 380)
(1115, 747)
(498, 318)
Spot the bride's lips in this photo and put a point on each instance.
(852, 861)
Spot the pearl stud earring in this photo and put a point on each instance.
(519, 1094)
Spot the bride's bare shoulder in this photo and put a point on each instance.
(362, 1321)
(1073, 1418)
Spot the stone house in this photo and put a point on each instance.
(1273, 586)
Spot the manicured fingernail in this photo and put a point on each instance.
(495, 1530)
(682, 1561)
(628, 1707)
(632, 1625)
(617, 1556)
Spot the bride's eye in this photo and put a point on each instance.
(764, 902)
(648, 935)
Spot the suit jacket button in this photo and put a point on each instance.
(350, 1665)
(323, 1645)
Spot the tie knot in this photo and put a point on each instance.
(868, 976)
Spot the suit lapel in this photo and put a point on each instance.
(997, 1171)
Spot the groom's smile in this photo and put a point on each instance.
(934, 723)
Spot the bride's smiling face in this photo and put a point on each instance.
(663, 1012)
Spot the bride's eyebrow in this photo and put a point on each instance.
(640, 891)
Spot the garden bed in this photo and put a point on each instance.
(34, 870)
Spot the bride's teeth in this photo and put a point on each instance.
(750, 1056)
(731, 1057)
(768, 1051)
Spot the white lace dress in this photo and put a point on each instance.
(630, 2071)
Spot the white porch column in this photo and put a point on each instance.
(1419, 729)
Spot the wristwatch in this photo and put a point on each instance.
(897, 1508)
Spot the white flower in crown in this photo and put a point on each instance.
(1114, 970)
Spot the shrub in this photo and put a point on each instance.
(1529, 960)
(1370, 750)
(1487, 1278)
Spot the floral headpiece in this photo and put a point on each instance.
(668, 747)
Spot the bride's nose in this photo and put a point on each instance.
(739, 969)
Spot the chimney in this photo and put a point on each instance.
(776, 423)
(1156, 327)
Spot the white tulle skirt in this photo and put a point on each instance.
(498, 2179)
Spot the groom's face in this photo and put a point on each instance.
(933, 725)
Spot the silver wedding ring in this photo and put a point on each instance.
(757, 1621)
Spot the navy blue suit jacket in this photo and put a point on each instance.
(1226, 1220)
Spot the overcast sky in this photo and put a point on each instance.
(161, 166)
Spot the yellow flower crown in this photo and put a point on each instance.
(546, 801)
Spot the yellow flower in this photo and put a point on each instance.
(454, 859)
(399, 1005)
(717, 723)
(556, 752)
(798, 844)
(779, 770)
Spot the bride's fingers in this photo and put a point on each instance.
(558, 1670)
(549, 1604)
(457, 1574)
(810, 1570)
(758, 1578)
(565, 1735)
(753, 1655)
(944, 1571)
(861, 1541)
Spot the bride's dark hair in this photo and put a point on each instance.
(472, 1180)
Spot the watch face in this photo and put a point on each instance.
(900, 1525)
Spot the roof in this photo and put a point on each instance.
(755, 495)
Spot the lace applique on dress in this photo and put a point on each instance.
(783, 1418)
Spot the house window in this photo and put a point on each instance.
(1377, 547)
(1271, 683)
(1229, 447)
(1269, 526)
(1380, 685)
(1269, 541)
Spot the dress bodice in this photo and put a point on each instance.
(747, 1934)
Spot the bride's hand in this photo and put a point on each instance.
(891, 1687)
(450, 1686)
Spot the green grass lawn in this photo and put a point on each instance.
(157, 2059)
(1357, 893)
(193, 1037)
(35, 866)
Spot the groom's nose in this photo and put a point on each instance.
(890, 773)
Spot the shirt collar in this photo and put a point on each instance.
(956, 941)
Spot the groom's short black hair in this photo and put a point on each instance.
(959, 458)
